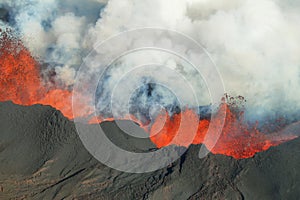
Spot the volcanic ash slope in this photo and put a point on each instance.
(41, 157)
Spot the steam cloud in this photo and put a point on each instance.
(254, 43)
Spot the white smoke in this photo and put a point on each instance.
(53, 30)
(254, 43)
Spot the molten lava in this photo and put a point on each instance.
(20, 82)
(20, 79)
(237, 139)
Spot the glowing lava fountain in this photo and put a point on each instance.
(20, 82)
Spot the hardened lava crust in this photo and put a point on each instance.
(42, 157)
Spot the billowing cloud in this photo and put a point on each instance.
(254, 43)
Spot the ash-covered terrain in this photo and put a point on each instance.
(42, 157)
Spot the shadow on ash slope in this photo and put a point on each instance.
(42, 157)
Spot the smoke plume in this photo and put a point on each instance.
(254, 44)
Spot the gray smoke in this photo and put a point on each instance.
(254, 43)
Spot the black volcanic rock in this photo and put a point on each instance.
(42, 157)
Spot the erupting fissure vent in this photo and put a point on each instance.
(237, 139)
(20, 82)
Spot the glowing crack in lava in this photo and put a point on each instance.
(20, 82)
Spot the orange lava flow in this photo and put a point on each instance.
(236, 138)
(20, 79)
(20, 83)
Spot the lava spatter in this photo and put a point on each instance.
(237, 139)
(20, 80)
(21, 83)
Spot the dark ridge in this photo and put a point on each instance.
(42, 157)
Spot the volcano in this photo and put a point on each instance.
(21, 83)
(42, 157)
